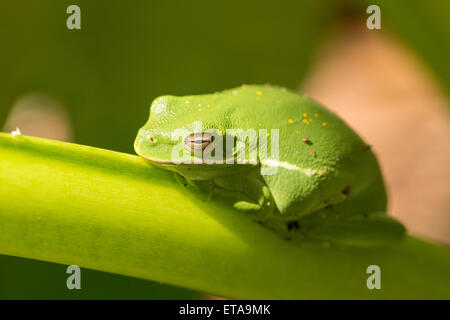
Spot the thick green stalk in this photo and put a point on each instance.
(110, 211)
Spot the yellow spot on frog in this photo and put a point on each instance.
(260, 124)
(187, 102)
(324, 124)
(259, 93)
(304, 121)
(199, 110)
(310, 119)
(316, 115)
(296, 131)
(305, 114)
(258, 98)
(268, 134)
(208, 105)
(290, 121)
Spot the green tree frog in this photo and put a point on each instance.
(277, 156)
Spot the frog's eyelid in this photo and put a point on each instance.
(199, 140)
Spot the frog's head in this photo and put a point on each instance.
(188, 135)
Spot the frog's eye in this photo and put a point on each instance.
(198, 141)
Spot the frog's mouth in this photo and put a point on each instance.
(195, 162)
(200, 171)
(162, 156)
(159, 162)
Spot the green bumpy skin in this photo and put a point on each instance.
(327, 186)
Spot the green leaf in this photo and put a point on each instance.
(113, 212)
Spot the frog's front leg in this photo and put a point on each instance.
(245, 192)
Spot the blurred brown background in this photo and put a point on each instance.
(386, 94)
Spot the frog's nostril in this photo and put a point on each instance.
(152, 139)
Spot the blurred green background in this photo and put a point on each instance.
(129, 52)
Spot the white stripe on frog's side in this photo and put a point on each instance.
(292, 167)
(282, 164)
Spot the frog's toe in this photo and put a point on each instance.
(246, 206)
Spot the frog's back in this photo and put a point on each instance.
(321, 160)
